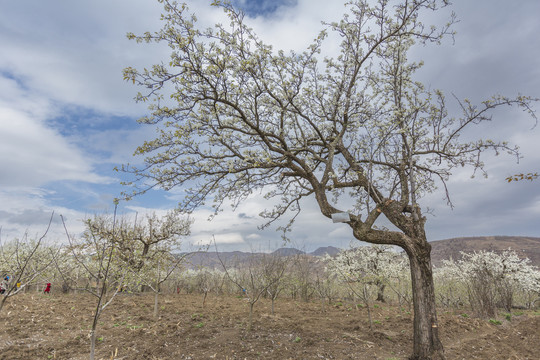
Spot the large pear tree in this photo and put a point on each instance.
(355, 131)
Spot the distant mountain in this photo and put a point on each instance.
(288, 252)
(210, 259)
(450, 248)
(326, 250)
(440, 250)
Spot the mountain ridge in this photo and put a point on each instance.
(524, 246)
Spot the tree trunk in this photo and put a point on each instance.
(366, 302)
(93, 331)
(380, 291)
(427, 345)
(156, 304)
(250, 320)
(4, 298)
(92, 344)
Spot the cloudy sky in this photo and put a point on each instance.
(67, 118)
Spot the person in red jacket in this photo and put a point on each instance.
(47, 289)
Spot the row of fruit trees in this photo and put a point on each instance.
(116, 254)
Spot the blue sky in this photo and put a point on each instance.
(67, 118)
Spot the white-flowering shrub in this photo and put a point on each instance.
(492, 280)
(205, 280)
(325, 283)
(369, 269)
(450, 290)
(23, 263)
(374, 265)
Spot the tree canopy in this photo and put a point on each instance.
(356, 131)
(242, 117)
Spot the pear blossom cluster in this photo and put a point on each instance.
(377, 262)
(376, 266)
(493, 280)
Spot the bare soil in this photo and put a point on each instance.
(37, 326)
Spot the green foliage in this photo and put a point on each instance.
(297, 339)
(519, 177)
(494, 322)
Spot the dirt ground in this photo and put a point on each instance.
(37, 326)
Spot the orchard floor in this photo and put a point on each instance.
(36, 326)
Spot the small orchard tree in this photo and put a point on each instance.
(234, 116)
(146, 247)
(301, 276)
(204, 283)
(155, 241)
(22, 261)
(358, 278)
(325, 283)
(158, 267)
(136, 240)
(395, 269)
(274, 267)
(365, 270)
(98, 254)
(66, 268)
(493, 279)
(251, 279)
(163, 232)
(207, 280)
(450, 290)
(186, 281)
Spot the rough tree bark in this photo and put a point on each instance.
(427, 344)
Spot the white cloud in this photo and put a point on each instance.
(60, 55)
(222, 239)
(25, 210)
(34, 154)
(31, 152)
(77, 59)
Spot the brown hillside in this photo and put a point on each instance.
(450, 248)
